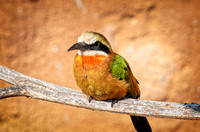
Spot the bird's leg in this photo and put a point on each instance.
(113, 102)
(89, 98)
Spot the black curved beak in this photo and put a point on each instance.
(78, 46)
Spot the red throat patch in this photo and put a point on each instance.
(89, 60)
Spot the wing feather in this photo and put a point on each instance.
(120, 69)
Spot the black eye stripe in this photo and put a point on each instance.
(99, 46)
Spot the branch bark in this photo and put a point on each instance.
(30, 87)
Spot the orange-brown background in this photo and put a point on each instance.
(159, 39)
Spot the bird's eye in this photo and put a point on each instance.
(97, 43)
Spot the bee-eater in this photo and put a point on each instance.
(103, 74)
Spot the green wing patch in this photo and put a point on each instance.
(119, 68)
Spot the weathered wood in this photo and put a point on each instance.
(30, 87)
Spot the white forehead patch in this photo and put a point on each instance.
(92, 53)
(87, 38)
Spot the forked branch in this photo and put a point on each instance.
(30, 87)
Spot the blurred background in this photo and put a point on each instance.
(160, 40)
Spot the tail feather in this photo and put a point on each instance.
(141, 124)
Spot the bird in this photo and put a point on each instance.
(102, 74)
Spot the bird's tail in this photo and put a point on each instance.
(141, 124)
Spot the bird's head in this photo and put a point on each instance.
(92, 43)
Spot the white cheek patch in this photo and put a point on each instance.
(92, 53)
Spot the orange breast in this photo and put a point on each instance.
(89, 60)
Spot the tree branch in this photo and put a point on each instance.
(30, 87)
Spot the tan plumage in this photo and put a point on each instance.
(102, 74)
(95, 80)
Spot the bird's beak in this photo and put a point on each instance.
(77, 46)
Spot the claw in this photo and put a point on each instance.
(89, 98)
(113, 102)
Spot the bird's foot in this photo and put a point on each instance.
(113, 102)
(89, 98)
